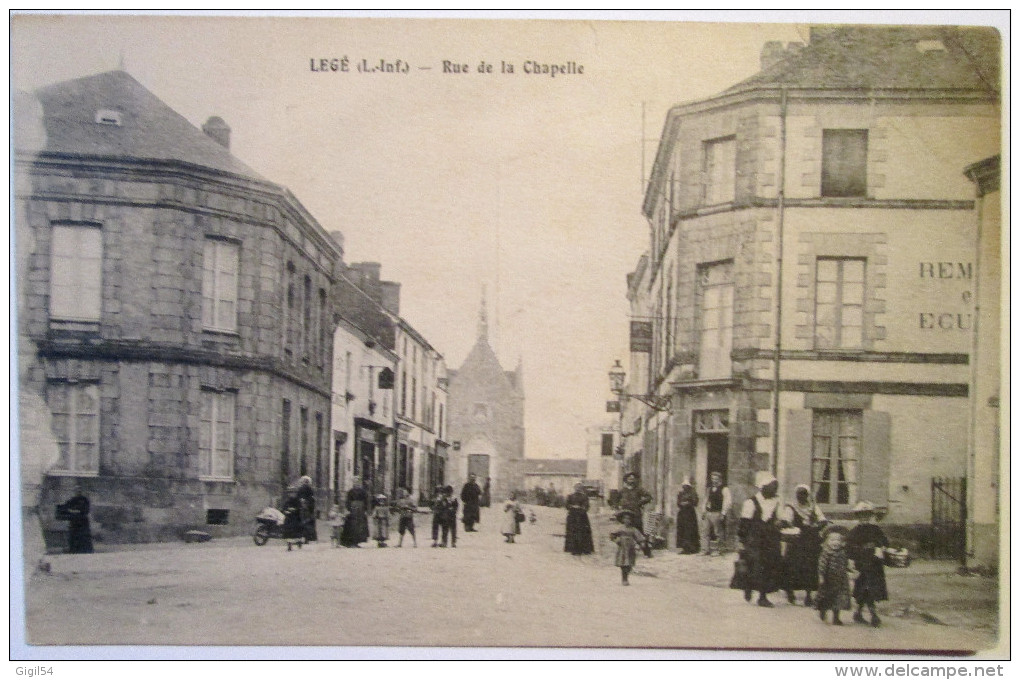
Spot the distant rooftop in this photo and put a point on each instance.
(555, 466)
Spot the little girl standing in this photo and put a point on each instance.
(510, 526)
(833, 582)
(381, 518)
(627, 540)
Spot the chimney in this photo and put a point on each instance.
(391, 297)
(369, 271)
(218, 130)
(771, 54)
(338, 239)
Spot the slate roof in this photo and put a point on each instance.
(149, 128)
(556, 466)
(869, 57)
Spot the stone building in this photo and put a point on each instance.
(173, 318)
(554, 474)
(422, 447)
(486, 419)
(984, 488)
(808, 286)
(411, 451)
(362, 415)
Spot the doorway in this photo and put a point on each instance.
(478, 465)
(711, 454)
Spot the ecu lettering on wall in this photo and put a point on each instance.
(948, 275)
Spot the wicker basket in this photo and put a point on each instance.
(897, 557)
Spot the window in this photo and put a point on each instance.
(217, 516)
(306, 320)
(414, 398)
(75, 409)
(715, 322)
(289, 327)
(76, 263)
(324, 322)
(835, 454)
(285, 443)
(844, 163)
(403, 392)
(720, 167)
(219, 285)
(216, 435)
(839, 303)
(303, 460)
(607, 444)
(319, 441)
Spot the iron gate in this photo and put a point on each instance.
(948, 537)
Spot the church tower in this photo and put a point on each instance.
(486, 418)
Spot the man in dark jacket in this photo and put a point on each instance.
(471, 495)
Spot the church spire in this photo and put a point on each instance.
(483, 319)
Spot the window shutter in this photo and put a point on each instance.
(874, 463)
(797, 464)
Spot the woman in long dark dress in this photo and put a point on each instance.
(760, 535)
(79, 533)
(578, 540)
(306, 496)
(687, 536)
(355, 529)
(293, 527)
(800, 565)
(866, 544)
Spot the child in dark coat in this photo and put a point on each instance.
(867, 545)
(833, 581)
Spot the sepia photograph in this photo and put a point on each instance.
(563, 335)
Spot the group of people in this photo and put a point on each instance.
(818, 554)
(351, 528)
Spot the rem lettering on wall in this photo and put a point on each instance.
(946, 272)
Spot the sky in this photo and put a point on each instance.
(527, 184)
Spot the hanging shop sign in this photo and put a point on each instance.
(641, 336)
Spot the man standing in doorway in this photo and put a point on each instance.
(717, 506)
(470, 495)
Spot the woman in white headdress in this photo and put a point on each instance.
(759, 533)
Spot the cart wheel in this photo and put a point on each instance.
(261, 536)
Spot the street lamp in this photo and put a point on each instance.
(616, 376)
(655, 401)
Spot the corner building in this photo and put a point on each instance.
(173, 319)
(809, 278)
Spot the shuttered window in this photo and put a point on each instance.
(76, 262)
(844, 163)
(75, 423)
(835, 456)
(720, 168)
(219, 285)
(216, 435)
(715, 320)
(839, 303)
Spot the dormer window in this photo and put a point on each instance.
(108, 117)
(930, 46)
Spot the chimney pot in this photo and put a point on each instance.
(218, 130)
